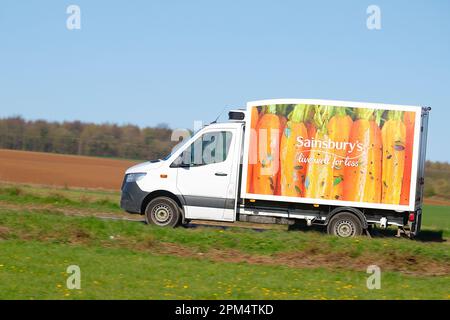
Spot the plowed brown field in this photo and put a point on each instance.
(62, 170)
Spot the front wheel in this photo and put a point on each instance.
(345, 225)
(163, 212)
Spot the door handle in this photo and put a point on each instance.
(221, 174)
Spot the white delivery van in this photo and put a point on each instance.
(343, 165)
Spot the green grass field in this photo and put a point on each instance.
(43, 230)
(36, 270)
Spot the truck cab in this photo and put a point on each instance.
(200, 180)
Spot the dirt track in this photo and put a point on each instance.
(62, 170)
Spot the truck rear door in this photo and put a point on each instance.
(422, 158)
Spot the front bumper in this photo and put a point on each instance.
(132, 197)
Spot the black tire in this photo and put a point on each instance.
(163, 212)
(345, 225)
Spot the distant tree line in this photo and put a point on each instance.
(89, 139)
(437, 180)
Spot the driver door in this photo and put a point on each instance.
(204, 176)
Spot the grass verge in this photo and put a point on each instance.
(296, 248)
(34, 270)
(60, 198)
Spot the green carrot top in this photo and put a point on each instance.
(301, 113)
(369, 114)
(271, 108)
(395, 115)
(340, 111)
(321, 117)
(364, 113)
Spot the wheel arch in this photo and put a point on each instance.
(352, 210)
(162, 193)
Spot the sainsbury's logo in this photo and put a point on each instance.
(329, 144)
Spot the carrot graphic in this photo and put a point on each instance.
(266, 170)
(282, 111)
(339, 128)
(310, 126)
(393, 135)
(252, 148)
(408, 119)
(293, 172)
(319, 177)
(311, 129)
(362, 173)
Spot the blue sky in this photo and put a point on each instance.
(150, 62)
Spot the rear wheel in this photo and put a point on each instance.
(163, 212)
(345, 225)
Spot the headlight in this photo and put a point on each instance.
(133, 177)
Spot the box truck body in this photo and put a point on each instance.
(344, 165)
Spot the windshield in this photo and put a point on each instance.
(174, 149)
(183, 142)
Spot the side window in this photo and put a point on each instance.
(211, 147)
